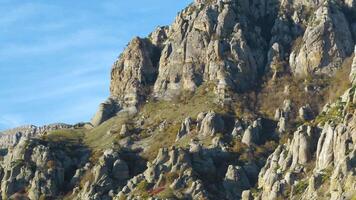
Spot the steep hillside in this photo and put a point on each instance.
(248, 99)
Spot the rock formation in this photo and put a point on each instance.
(248, 99)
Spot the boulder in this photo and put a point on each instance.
(124, 132)
(184, 128)
(305, 113)
(211, 124)
(235, 182)
(106, 110)
(252, 133)
(238, 129)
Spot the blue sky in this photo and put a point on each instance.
(56, 56)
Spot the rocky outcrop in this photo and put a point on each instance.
(134, 72)
(283, 115)
(10, 138)
(106, 110)
(238, 129)
(185, 128)
(353, 69)
(39, 168)
(333, 147)
(326, 42)
(106, 177)
(211, 124)
(228, 55)
(305, 113)
(235, 182)
(172, 169)
(209, 42)
(252, 133)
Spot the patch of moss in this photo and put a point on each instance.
(142, 189)
(73, 136)
(18, 162)
(301, 187)
(325, 176)
(171, 177)
(167, 193)
(334, 114)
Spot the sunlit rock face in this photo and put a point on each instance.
(237, 99)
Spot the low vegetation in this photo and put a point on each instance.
(300, 187)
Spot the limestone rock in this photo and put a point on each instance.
(252, 133)
(235, 182)
(238, 129)
(211, 124)
(12, 137)
(199, 41)
(326, 42)
(110, 173)
(184, 128)
(134, 71)
(124, 132)
(39, 168)
(246, 195)
(305, 113)
(106, 110)
(353, 69)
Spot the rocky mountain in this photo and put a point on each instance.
(248, 99)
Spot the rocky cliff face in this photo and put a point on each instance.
(249, 99)
(318, 163)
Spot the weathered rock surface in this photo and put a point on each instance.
(211, 124)
(252, 133)
(353, 69)
(106, 110)
(231, 50)
(134, 72)
(325, 43)
(184, 128)
(333, 149)
(107, 177)
(39, 168)
(305, 113)
(10, 138)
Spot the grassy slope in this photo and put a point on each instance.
(153, 113)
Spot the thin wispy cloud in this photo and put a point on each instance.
(10, 120)
(47, 45)
(49, 93)
(13, 14)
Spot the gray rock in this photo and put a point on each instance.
(252, 133)
(106, 110)
(184, 128)
(235, 182)
(246, 195)
(305, 113)
(353, 69)
(10, 138)
(134, 71)
(211, 124)
(326, 42)
(238, 129)
(124, 132)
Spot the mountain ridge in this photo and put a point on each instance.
(234, 100)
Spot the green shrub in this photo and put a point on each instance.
(301, 187)
(167, 193)
(171, 176)
(142, 189)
